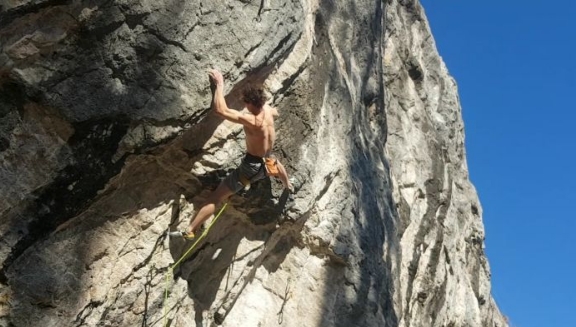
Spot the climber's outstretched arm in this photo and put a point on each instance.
(219, 103)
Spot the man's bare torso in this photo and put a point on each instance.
(260, 137)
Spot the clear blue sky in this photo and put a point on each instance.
(515, 65)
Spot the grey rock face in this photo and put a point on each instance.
(445, 275)
(107, 142)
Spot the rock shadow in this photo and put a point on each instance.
(254, 216)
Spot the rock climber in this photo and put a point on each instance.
(258, 163)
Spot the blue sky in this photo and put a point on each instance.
(515, 65)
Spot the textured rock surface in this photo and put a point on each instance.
(444, 272)
(107, 141)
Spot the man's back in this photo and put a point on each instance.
(261, 135)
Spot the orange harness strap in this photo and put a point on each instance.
(271, 165)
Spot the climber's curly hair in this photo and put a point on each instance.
(254, 96)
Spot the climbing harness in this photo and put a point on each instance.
(171, 269)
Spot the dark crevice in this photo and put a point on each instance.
(191, 29)
(98, 31)
(252, 49)
(85, 312)
(164, 39)
(4, 144)
(33, 7)
(279, 47)
(290, 80)
(146, 260)
(474, 209)
(133, 20)
(12, 95)
(415, 71)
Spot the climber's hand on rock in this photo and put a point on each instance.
(216, 77)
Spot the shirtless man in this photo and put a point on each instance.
(258, 125)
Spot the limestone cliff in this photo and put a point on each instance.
(107, 141)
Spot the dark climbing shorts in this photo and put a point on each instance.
(251, 169)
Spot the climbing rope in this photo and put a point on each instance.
(170, 271)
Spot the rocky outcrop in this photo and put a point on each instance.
(107, 142)
(444, 272)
